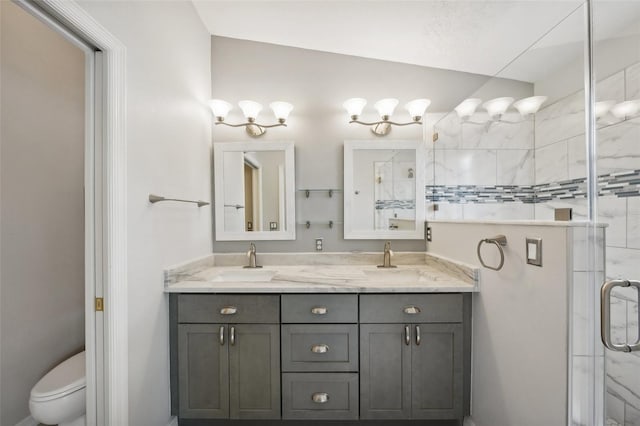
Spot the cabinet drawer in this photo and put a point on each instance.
(319, 308)
(410, 308)
(327, 396)
(228, 308)
(320, 347)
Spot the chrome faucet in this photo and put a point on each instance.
(252, 257)
(387, 256)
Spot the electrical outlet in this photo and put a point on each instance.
(428, 233)
(319, 242)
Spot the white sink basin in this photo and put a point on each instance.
(392, 274)
(245, 275)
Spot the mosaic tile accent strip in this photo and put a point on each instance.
(395, 204)
(620, 184)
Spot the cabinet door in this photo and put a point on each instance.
(254, 359)
(436, 371)
(203, 371)
(385, 371)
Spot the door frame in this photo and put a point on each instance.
(105, 216)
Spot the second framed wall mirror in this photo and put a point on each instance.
(254, 184)
(384, 189)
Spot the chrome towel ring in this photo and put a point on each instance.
(500, 241)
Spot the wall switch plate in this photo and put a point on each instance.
(534, 251)
(319, 242)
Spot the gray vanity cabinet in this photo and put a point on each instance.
(230, 368)
(203, 371)
(411, 369)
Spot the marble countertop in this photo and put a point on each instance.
(322, 273)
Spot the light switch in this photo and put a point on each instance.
(534, 251)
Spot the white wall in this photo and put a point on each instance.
(520, 322)
(317, 83)
(168, 135)
(42, 228)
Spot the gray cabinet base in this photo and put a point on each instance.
(194, 422)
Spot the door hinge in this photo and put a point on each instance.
(99, 304)
(435, 136)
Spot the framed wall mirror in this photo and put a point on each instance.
(384, 189)
(254, 185)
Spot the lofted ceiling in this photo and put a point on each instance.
(477, 36)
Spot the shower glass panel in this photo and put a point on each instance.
(616, 64)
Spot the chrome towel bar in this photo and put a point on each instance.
(157, 198)
(499, 241)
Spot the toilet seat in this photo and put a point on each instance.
(66, 378)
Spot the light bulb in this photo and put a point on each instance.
(281, 110)
(385, 107)
(417, 107)
(467, 108)
(354, 107)
(626, 109)
(530, 105)
(220, 108)
(250, 109)
(603, 107)
(498, 106)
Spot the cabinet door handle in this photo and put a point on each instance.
(319, 310)
(232, 336)
(417, 335)
(228, 310)
(320, 397)
(411, 310)
(222, 335)
(407, 335)
(320, 349)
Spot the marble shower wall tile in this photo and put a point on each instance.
(621, 367)
(551, 163)
(582, 308)
(633, 222)
(560, 120)
(581, 371)
(577, 154)
(449, 211)
(545, 211)
(631, 416)
(622, 263)
(619, 147)
(515, 167)
(615, 409)
(498, 211)
(449, 132)
(564, 119)
(580, 250)
(472, 166)
(632, 75)
(612, 211)
(512, 133)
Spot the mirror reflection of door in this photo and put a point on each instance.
(234, 191)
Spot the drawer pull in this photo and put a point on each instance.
(320, 397)
(320, 349)
(228, 310)
(319, 310)
(411, 310)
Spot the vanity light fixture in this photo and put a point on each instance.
(497, 107)
(385, 109)
(251, 109)
(626, 109)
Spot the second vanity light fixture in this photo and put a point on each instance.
(385, 108)
(497, 107)
(251, 109)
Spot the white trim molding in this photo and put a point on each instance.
(114, 205)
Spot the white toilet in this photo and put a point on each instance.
(59, 397)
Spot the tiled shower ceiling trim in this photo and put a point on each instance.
(620, 184)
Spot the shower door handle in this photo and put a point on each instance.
(605, 316)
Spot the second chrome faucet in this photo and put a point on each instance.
(387, 256)
(252, 257)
